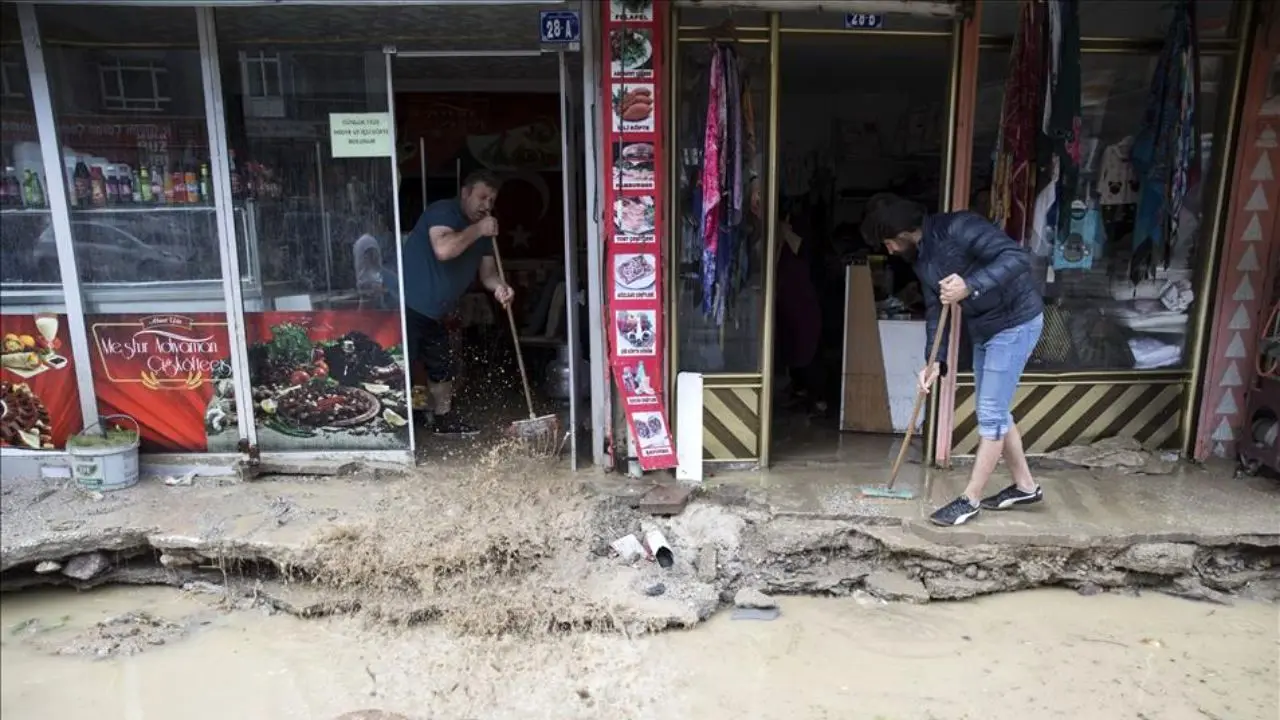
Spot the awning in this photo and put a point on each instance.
(921, 8)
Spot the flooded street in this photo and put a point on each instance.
(1036, 654)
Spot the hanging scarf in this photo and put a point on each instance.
(1063, 122)
(709, 226)
(1013, 185)
(1166, 151)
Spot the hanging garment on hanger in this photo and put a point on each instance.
(733, 99)
(709, 226)
(1117, 182)
(1166, 150)
(1013, 183)
(1063, 114)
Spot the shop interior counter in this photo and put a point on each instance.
(881, 359)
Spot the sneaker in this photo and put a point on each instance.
(450, 424)
(956, 512)
(1011, 496)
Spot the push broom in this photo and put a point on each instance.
(539, 433)
(887, 490)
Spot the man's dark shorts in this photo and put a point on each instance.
(429, 341)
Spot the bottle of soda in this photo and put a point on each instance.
(135, 184)
(144, 186)
(179, 186)
(32, 191)
(8, 198)
(82, 184)
(193, 184)
(98, 187)
(237, 188)
(206, 187)
(157, 184)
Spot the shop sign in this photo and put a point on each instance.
(166, 371)
(328, 380)
(39, 402)
(560, 27)
(360, 135)
(863, 21)
(635, 177)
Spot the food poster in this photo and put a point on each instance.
(39, 401)
(326, 380)
(633, 32)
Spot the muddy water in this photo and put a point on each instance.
(1037, 655)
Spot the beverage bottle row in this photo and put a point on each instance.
(21, 190)
(110, 185)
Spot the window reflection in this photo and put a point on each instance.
(24, 209)
(1119, 310)
(129, 107)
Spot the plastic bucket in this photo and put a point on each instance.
(106, 467)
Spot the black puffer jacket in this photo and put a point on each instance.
(996, 269)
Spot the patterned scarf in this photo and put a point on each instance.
(1013, 186)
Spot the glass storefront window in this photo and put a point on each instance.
(704, 343)
(129, 105)
(1120, 19)
(1120, 308)
(318, 247)
(26, 243)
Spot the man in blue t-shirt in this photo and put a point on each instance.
(450, 245)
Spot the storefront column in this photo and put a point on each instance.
(963, 101)
(1249, 253)
(593, 135)
(228, 253)
(60, 214)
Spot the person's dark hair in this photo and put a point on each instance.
(477, 177)
(888, 215)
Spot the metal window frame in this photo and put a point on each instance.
(123, 102)
(59, 212)
(593, 186)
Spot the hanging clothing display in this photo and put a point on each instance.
(1166, 151)
(1117, 183)
(1013, 187)
(728, 134)
(1062, 107)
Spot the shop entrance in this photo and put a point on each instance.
(508, 113)
(857, 115)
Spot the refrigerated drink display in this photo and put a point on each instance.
(179, 181)
(193, 184)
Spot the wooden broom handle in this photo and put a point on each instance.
(515, 336)
(920, 396)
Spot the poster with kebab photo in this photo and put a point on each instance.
(39, 402)
(635, 180)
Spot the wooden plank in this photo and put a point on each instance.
(865, 405)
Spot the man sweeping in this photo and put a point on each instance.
(962, 259)
(451, 243)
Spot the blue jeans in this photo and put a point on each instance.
(998, 363)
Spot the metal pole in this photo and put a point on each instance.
(228, 251)
(597, 350)
(567, 163)
(422, 166)
(771, 246)
(55, 191)
(395, 212)
(324, 223)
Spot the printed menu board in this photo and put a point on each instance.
(39, 402)
(635, 177)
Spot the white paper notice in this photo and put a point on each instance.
(353, 135)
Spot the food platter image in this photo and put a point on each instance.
(635, 272)
(631, 52)
(633, 107)
(302, 389)
(650, 429)
(633, 166)
(636, 331)
(634, 215)
(24, 419)
(631, 10)
(29, 355)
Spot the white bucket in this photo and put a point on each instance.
(106, 467)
